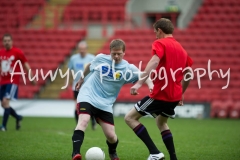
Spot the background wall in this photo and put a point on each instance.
(65, 108)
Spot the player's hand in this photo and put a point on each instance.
(150, 88)
(79, 84)
(134, 89)
(180, 103)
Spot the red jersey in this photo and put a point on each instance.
(8, 58)
(172, 56)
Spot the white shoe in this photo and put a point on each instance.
(159, 156)
(3, 129)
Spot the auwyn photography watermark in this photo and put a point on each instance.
(162, 74)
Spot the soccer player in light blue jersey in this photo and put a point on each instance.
(106, 74)
(77, 63)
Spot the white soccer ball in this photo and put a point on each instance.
(95, 153)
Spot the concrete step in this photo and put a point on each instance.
(63, 2)
(94, 45)
(49, 11)
(50, 95)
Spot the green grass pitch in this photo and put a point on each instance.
(50, 139)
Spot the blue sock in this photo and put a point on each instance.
(6, 114)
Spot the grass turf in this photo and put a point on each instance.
(50, 139)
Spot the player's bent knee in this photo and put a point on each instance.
(111, 137)
(128, 119)
(163, 126)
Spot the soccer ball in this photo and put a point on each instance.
(95, 153)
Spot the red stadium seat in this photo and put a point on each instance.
(235, 111)
(224, 109)
(215, 107)
(76, 10)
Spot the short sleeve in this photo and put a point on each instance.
(22, 57)
(189, 62)
(158, 49)
(132, 74)
(95, 61)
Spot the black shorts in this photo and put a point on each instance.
(149, 106)
(75, 94)
(87, 108)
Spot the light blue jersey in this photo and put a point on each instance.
(77, 63)
(103, 85)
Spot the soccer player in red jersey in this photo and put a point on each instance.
(9, 84)
(167, 55)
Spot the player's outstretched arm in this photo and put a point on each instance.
(81, 80)
(28, 68)
(152, 64)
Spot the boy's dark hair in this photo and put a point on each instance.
(165, 25)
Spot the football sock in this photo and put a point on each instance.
(142, 133)
(168, 141)
(76, 115)
(77, 140)
(112, 147)
(5, 116)
(13, 113)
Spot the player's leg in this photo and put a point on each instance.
(132, 120)
(106, 121)
(84, 110)
(3, 104)
(166, 136)
(75, 94)
(7, 110)
(161, 121)
(14, 93)
(93, 122)
(9, 91)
